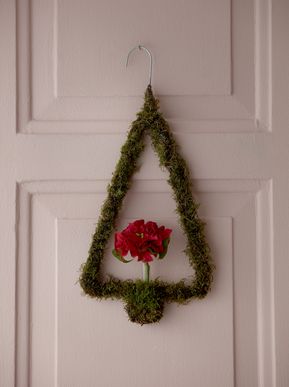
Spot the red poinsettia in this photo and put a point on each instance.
(145, 241)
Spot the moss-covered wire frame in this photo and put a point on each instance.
(145, 301)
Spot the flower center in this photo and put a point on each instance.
(139, 234)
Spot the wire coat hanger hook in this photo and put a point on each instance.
(151, 59)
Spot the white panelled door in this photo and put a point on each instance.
(221, 74)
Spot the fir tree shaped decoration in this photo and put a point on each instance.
(144, 300)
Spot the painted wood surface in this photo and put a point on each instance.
(66, 104)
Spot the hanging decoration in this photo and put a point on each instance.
(144, 299)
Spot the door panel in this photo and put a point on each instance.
(218, 74)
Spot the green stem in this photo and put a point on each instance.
(146, 272)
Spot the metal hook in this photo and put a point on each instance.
(151, 59)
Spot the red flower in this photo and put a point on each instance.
(142, 240)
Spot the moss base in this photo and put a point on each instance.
(143, 303)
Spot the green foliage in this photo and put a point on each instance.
(165, 247)
(145, 301)
(120, 257)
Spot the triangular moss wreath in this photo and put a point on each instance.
(145, 300)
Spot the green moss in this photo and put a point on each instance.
(145, 302)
